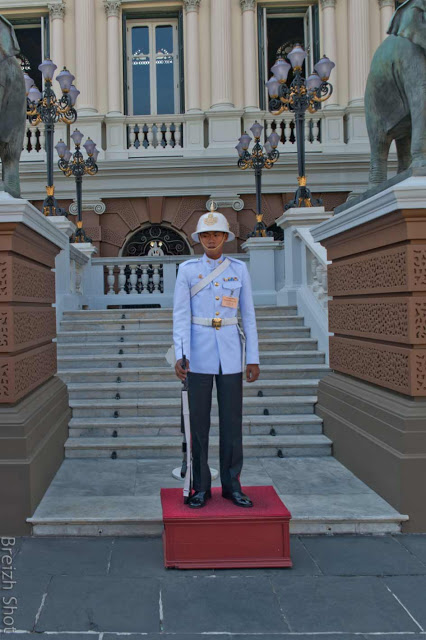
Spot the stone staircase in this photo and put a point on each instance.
(126, 399)
(124, 435)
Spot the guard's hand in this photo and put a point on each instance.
(252, 372)
(180, 371)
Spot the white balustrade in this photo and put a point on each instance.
(34, 143)
(154, 134)
(285, 126)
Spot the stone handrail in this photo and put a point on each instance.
(315, 257)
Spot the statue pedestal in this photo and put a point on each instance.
(374, 404)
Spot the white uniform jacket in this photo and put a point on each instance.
(206, 347)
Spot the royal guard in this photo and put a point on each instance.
(208, 292)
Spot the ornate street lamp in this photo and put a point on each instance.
(74, 164)
(260, 157)
(45, 107)
(300, 96)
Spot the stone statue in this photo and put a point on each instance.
(13, 107)
(395, 104)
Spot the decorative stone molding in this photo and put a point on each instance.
(248, 5)
(386, 3)
(97, 206)
(328, 4)
(112, 8)
(56, 10)
(192, 5)
(223, 202)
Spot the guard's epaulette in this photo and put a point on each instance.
(191, 261)
(236, 260)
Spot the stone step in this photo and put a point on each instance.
(105, 337)
(126, 390)
(158, 347)
(140, 360)
(124, 497)
(167, 373)
(276, 405)
(102, 314)
(299, 424)
(171, 446)
(144, 324)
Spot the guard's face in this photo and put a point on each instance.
(213, 239)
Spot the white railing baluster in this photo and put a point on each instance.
(168, 134)
(144, 279)
(178, 136)
(110, 280)
(133, 279)
(132, 135)
(150, 136)
(122, 280)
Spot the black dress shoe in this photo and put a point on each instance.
(199, 499)
(238, 498)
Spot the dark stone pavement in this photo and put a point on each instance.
(341, 588)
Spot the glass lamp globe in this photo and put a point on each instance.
(61, 148)
(280, 70)
(65, 79)
(47, 68)
(245, 141)
(297, 56)
(324, 67)
(256, 129)
(34, 94)
(239, 149)
(268, 147)
(313, 82)
(273, 87)
(28, 82)
(274, 139)
(73, 93)
(89, 145)
(67, 155)
(95, 154)
(77, 137)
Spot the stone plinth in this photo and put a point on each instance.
(33, 403)
(374, 404)
(262, 268)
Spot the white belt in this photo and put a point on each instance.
(217, 323)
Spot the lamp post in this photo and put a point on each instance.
(74, 164)
(300, 96)
(260, 157)
(45, 107)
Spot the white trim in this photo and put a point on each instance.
(17, 210)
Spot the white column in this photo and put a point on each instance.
(329, 42)
(112, 10)
(192, 39)
(221, 54)
(85, 46)
(387, 7)
(57, 45)
(359, 49)
(251, 101)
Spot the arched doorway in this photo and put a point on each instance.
(156, 239)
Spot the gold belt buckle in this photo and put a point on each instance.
(217, 323)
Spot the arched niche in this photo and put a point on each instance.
(155, 239)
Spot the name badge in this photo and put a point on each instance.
(229, 301)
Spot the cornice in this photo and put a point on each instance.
(386, 3)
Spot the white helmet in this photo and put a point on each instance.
(213, 221)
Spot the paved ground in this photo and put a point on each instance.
(322, 495)
(345, 588)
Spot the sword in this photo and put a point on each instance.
(186, 470)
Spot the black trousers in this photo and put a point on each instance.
(230, 400)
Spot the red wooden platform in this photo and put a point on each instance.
(222, 535)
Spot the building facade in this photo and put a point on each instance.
(167, 87)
